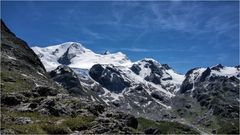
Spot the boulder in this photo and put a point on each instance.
(12, 99)
(23, 120)
(96, 109)
(132, 122)
(45, 91)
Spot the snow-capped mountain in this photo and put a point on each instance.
(75, 55)
(159, 74)
(146, 87)
(201, 74)
(211, 94)
(116, 80)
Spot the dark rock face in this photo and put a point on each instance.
(157, 95)
(205, 74)
(66, 58)
(190, 72)
(166, 66)
(156, 72)
(186, 86)
(155, 78)
(68, 79)
(136, 69)
(108, 77)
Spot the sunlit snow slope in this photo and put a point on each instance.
(75, 55)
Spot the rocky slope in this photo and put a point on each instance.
(209, 97)
(34, 101)
(20, 64)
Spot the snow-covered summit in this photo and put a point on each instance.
(75, 55)
(160, 74)
(196, 74)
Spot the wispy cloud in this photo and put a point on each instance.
(157, 50)
(92, 33)
(191, 17)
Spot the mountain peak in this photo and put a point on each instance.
(217, 67)
(166, 66)
(73, 46)
(106, 52)
(149, 60)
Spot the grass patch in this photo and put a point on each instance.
(56, 129)
(165, 127)
(20, 83)
(27, 129)
(228, 126)
(46, 124)
(78, 123)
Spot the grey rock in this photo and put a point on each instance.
(23, 120)
(45, 91)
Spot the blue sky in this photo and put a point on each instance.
(180, 33)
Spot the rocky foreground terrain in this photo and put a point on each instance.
(82, 92)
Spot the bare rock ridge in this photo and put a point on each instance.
(15, 48)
